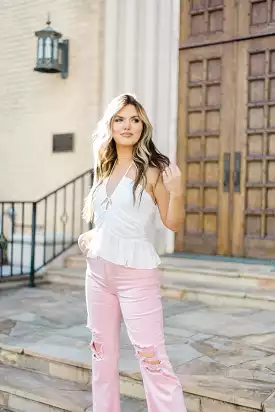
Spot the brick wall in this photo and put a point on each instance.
(33, 105)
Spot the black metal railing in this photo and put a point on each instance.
(32, 234)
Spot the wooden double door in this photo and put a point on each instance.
(226, 127)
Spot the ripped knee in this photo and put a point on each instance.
(96, 347)
(147, 357)
(149, 360)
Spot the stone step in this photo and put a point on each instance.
(180, 287)
(66, 276)
(244, 279)
(218, 295)
(19, 281)
(223, 273)
(24, 391)
(70, 365)
(230, 264)
(4, 409)
(43, 383)
(78, 261)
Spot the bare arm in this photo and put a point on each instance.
(169, 197)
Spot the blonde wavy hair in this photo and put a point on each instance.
(145, 153)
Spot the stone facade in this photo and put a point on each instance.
(115, 46)
(34, 106)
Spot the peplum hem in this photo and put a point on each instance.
(137, 253)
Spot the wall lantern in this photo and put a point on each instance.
(52, 54)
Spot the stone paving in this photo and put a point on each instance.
(225, 353)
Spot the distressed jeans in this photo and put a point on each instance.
(113, 292)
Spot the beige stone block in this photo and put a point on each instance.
(192, 402)
(4, 398)
(70, 373)
(34, 363)
(10, 348)
(269, 403)
(77, 262)
(211, 405)
(132, 388)
(27, 405)
(172, 293)
(11, 358)
(220, 300)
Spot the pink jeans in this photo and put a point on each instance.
(112, 291)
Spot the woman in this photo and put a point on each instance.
(132, 181)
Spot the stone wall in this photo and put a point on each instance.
(34, 106)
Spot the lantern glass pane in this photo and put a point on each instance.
(40, 48)
(55, 49)
(48, 48)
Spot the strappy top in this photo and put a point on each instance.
(122, 226)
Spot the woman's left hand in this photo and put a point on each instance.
(84, 240)
(172, 180)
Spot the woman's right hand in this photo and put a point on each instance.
(83, 242)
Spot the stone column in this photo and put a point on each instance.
(110, 66)
(141, 56)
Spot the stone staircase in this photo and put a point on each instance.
(50, 377)
(224, 357)
(35, 382)
(211, 282)
(50, 369)
(30, 389)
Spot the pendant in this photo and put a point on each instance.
(108, 202)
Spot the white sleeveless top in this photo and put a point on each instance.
(122, 227)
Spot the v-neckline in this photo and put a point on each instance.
(108, 179)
